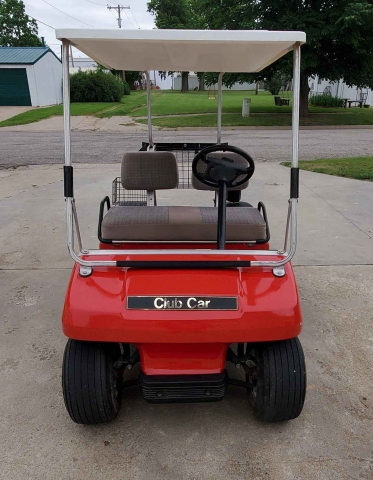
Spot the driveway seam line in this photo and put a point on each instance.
(340, 213)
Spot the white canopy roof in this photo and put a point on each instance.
(183, 50)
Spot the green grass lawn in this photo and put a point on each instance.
(195, 109)
(176, 103)
(360, 168)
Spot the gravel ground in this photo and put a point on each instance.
(37, 148)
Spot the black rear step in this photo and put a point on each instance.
(184, 388)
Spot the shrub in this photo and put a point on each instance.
(95, 86)
(126, 88)
(325, 101)
(274, 84)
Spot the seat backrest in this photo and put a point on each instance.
(149, 171)
(237, 159)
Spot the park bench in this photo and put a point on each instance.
(360, 102)
(281, 101)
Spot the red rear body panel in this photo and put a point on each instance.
(182, 342)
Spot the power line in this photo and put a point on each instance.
(113, 14)
(135, 19)
(128, 18)
(45, 1)
(36, 20)
(101, 4)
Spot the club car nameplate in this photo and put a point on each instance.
(181, 303)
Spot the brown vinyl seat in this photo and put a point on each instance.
(156, 171)
(180, 224)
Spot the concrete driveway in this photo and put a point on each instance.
(331, 440)
(9, 112)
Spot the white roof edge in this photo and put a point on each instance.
(252, 36)
(183, 50)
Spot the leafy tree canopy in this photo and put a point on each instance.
(339, 35)
(16, 28)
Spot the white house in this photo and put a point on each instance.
(30, 76)
(82, 63)
(193, 83)
(339, 89)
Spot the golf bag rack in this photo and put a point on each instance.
(184, 152)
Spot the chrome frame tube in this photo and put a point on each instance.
(287, 227)
(220, 106)
(149, 108)
(71, 213)
(66, 100)
(77, 228)
(296, 101)
(198, 251)
(293, 242)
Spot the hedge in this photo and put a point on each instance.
(96, 86)
(325, 101)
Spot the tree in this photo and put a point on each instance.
(16, 28)
(339, 35)
(179, 14)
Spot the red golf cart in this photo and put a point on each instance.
(182, 290)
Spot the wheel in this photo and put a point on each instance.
(278, 380)
(92, 388)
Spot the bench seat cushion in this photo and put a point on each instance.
(181, 224)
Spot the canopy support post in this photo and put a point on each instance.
(294, 175)
(66, 101)
(296, 98)
(220, 105)
(71, 213)
(149, 108)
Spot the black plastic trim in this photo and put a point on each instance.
(294, 183)
(184, 388)
(170, 264)
(171, 146)
(104, 201)
(68, 181)
(222, 215)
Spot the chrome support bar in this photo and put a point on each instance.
(70, 240)
(296, 101)
(287, 228)
(198, 251)
(71, 213)
(77, 229)
(149, 108)
(293, 242)
(66, 101)
(220, 105)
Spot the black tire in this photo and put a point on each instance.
(279, 380)
(91, 387)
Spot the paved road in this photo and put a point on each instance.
(34, 148)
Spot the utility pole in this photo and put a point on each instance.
(119, 8)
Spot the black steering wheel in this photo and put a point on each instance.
(222, 169)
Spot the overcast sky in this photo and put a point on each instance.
(92, 12)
